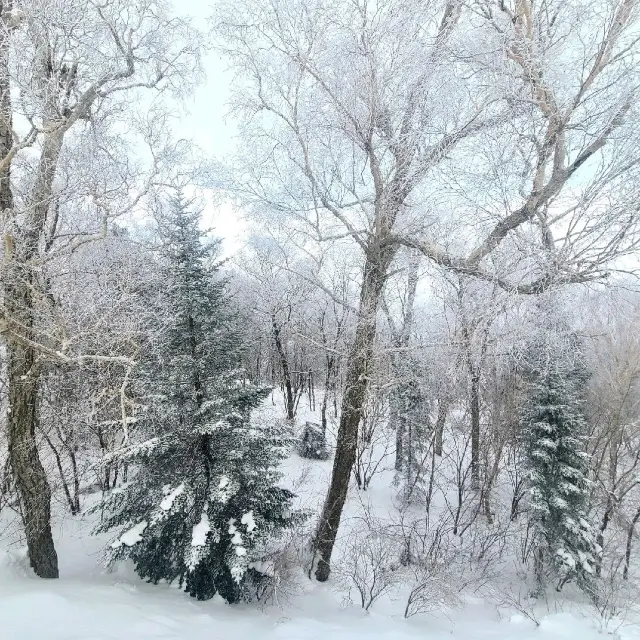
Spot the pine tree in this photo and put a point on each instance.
(554, 431)
(203, 506)
(411, 407)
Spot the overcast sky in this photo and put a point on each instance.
(206, 122)
(208, 126)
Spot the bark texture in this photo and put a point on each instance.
(357, 381)
(20, 289)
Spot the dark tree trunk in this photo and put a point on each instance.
(475, 430)
(627, 555)
(357, 380)
(538, 570)
(474, 368)
(603, 527)
(312, 391)
(29, 474)
(443, 410)
(286, 373)
(490, 478)
(23, 375)
(196, 382)
(76, 479)
(68, 443)
(71, 499)
(325, 397)
(614, 447)
(323, 411)
(116, 471)
(399, 426)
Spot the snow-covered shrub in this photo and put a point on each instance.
(432, 589)
(369, 565)
(616, 603)
(373, 447)
(512, 597)
(283, 562)
(439, 565)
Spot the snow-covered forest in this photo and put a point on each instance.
(368, 367)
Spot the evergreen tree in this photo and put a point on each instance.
(554, 432)
(411, 413)
(203, 506)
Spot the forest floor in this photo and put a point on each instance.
(90, 603)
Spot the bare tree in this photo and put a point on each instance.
(281, 300)
(614, 401)
(78, 62)
(344, 112)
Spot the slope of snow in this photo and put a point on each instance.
(109, 609)
(88, 603)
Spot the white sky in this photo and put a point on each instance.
(208, 126)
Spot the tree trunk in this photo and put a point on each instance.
(196, 382)
(603, 527)
(538, 570)
(71, 500)
(627, 555)
(474, 367)
(23, 375)
(325, 397)
(475, 430)
(490, 478)
(311, 391)
(357, 380)
(29, 474)
(614, 447)
(286, 373)
(443, 410)
(76, 478)
(399, 426)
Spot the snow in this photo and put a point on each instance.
(200, 531)
(225, 489)
(87, 603)
(248, 521)
(91, 603)
(132, 451)
(167, 502)
(115, 607)
(236, 538)
(132, 536)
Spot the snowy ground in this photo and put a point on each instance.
(87, 603)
